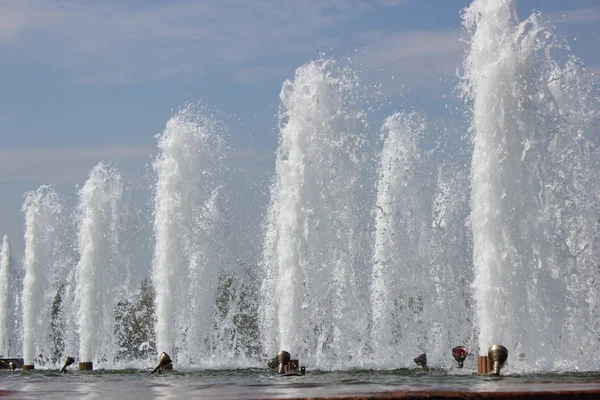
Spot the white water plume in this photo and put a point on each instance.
(9, 292)
(46, 254)
(313, 288)
(420, 257)
(396, 199)
(103, 274)
(534, 198)
(188, 255)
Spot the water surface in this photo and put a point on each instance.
(254, 383)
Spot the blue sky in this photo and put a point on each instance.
(83, 81)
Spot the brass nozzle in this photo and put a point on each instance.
(421, 361)
(498, 355)
(283, 357)
(163, 360)
(68, 361)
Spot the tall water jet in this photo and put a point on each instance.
(45, 254)
(186, 263)
(314, 291)
(103, 275)
(534, 191)
(9, 289)
(396, 198)
(420, 260)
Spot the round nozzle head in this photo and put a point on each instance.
(163, 360)
(421, 360)
(283, 357)
(460, 353)
(498, 355)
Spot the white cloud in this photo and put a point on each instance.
(415, 58)
(72, 165)
(391, 3)
(66, 165)
(118, 41)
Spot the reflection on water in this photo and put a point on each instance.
(262, 384)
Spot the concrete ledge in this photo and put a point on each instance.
(446, 395)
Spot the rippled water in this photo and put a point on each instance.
(237, 384)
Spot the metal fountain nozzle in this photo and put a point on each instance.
(163, 360)
(272, 363)
(498, 355)
(283, 357)
(460, 353)
(421, 361)
(11, 365)
(68, 361)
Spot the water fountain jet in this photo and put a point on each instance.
(103, 275)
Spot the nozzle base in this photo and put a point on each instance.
(86, 366)
(166, 367)
(484, 366)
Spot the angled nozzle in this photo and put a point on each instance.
(68, 361)
(460, 353)
(498, 355)
(163, 360)
(283, 357)
(272, 363)
(421, 361)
